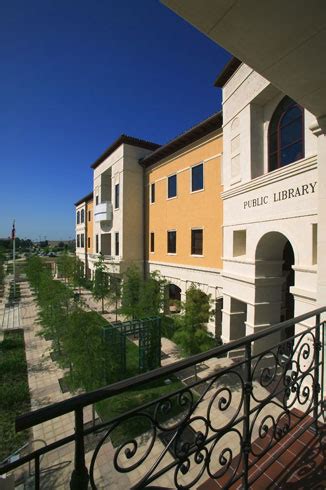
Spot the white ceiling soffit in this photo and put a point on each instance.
(283, 40)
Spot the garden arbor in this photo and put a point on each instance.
(115, 335)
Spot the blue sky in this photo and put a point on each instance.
(76, 74)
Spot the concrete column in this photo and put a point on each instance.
(320, 131)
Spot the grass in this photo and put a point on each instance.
(14, 392)
(134, 398)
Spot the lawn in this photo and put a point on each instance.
(14, 392)
(133, 398)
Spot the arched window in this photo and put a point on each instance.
(82, 216)
(286, 134)
(78, 217)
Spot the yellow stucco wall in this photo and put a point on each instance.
(201, 209)
(89, 207)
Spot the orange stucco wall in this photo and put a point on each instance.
(89, 207)
(201, 209)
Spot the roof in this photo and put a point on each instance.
(227, 72)
(201, 129)
(124, 139)
(84, 199)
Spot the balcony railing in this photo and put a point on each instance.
(103, 212)
(218, 426)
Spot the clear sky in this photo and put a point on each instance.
(76, 74)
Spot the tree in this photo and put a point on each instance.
(65, 264)
(131, 292)
(78, 273)
(101, 282)
(192, 334)
(114, 291)
(83, 344)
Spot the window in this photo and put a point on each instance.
(172, 242)
(152, 193)
(88, 242)
(196, 242)
(78, 217)
(117, 196)
(96, 244)
(96, 200)
(197, 178)
(152, 242)
(89, 216)
(172, 186)
(82, 216)
(239, 243)
(314, 243)
(78, 241)
(116, 243)
(82, 244)
(286, 134)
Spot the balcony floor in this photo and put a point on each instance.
(301, 465)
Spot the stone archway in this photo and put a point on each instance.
(274, 276)
(173, 298)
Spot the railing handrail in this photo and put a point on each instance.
(44, 414)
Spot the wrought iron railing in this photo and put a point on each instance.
(218, 426)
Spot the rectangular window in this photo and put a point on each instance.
(117, 196)
(82, 244)
(96, 244)
(172, 186)
(89, 216)
(96, 200)
(172, 242)
(314, 243)
(116, 243)
(78, 241)
(196, 242)
(197, 178)
(88, 242)
(78, 217)
(152, 193)
(239, 243)
(152, 242)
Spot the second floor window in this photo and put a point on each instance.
(89, 216)
(172, 242)
(117, 245)
(96, 200)
(96, 244)
(286, 134)
(197, 178)
(152, 192)
(82, 244)
(78, 217)
(88, 242)
(78, 241)
(152, 242)
(82, 216)
(172, 186)
(117, 196)
(196, 242)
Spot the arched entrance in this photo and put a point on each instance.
(275, 276)
(174, 298)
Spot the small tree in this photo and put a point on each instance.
(131, 292)
(65, 264)
(152, 296)
(114, 292)
(101, 283)
(192, 334)
(78, 273)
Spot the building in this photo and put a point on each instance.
(270, 204)
(184, 212)
(118, 212)
(84, 230)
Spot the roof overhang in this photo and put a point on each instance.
(283, 41)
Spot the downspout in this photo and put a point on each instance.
(144, 220)
(86, 238)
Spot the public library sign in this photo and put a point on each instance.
(289, 193)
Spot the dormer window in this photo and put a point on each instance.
(286, 134)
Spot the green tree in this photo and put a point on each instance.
(101, 281)
(151, 302)
(65, 264)
(192, 335)
(131, 292)
(85, 350)
(78, 273)
(114, 291)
